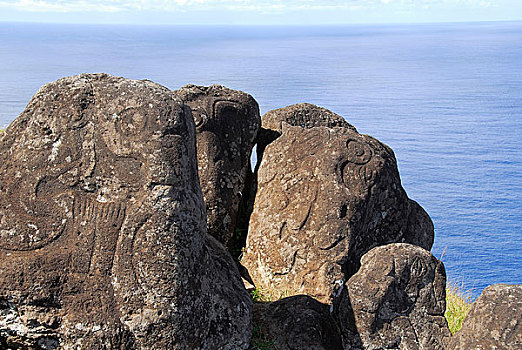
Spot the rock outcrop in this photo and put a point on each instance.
(104, 243)
(395, 301)
(297, 323)
(325, 197)
(227, 121)
(102, 228)
(493, 322)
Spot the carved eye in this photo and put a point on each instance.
(199, 119)
(358, 152)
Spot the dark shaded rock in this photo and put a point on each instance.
(102, 225)
(325, 197)
(396, 299)
(297, 323)
(227, 121)
(493, 322)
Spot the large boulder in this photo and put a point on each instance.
(325, 197)
(493, 322)
(103, 239)
(227, 122)
(296, 323)
(395, 301)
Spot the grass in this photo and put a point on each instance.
(267, 296)
(259, 342)
(258, 296)
(458, 303)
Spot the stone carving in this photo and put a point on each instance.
(295, 323)
(395, 301)
(493, 321)
(102, 227)
(325, 197)
(227, 121)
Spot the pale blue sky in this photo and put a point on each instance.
(303, 12)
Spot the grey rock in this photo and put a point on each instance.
(493, 322)
(297, 323)
(325, 197)
(227, 122)
(103, 239)
(305, 115)
(395, 301)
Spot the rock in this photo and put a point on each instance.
(227, 121)
(325, 197)
(103, 239)
(305, 115)
(493, 322)
(296, 323)
(395, 301)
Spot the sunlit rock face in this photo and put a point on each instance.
(493, 322)
(102, 225)
(325, 196)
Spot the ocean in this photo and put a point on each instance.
(446, 97)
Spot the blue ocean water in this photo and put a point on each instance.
(446, 97)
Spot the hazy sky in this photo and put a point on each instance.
(258, 11)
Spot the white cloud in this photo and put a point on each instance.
(265, 6)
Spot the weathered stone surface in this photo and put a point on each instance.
(395, 301)
(227, 121)
(493, 322)
(297, 323)
(325, 197)
(102, 228)
(305, 115)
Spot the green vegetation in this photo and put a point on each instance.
(266, 296)
(259, 342)
(458, 303)
(258, 296)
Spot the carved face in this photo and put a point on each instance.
(226, 124)
(51, 160)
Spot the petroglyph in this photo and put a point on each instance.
(102, 223)
(326, 188)
(227, 122)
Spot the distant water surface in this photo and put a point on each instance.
(446, 97)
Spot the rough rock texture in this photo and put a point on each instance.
(325, 197)
(305, 115)
(102, 226)
(297, 323)
(493, 322)
(395, 301)
(227, 121)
